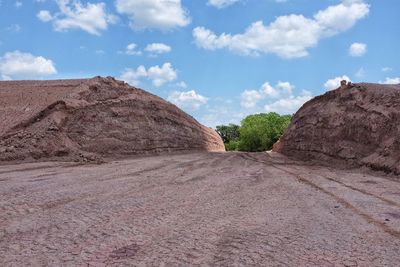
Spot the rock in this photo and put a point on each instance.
(355, 125)
(101, 117)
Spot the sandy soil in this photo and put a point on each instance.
(354, 125)
(89, 119)
(203, 209)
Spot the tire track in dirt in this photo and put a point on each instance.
(387, 201)
(209, 165)
(339, 199)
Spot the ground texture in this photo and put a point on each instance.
(203, 209)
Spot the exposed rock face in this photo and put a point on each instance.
(357, 125)
(92, 118)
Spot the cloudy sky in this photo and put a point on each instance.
(219, 60)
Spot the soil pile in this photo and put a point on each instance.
(88, 119)
(357, 124)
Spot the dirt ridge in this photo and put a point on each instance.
(90, 119)
(354, 125)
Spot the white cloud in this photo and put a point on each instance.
(221, 3)
(341, 17)
(18, 4)
(285, 87)
(158, 75)
(89, 17)
(222, 111)
(386, 69)
(132, 76)
(18, 65)
(290, 104)
(182, 85)
(335, 82)
(357, 49)
(250, 98)
(161, 75)
(388, 80)
(155, 14)
(44, 15)
(187, 100)
(158, 48)
(288, 36)
(131, 50)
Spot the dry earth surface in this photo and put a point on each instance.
(199, 209)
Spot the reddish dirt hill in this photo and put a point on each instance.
(90, 119)
(356, 125)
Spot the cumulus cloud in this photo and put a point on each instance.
(89, 17)
(288, 36)
(161, 75)
(250, 98)
(187, 100)
(221, 3)
(158, 75)
(131, 50)
(334, 83)
(154, 14)
(388, 80)
(357, 49)
(290, 104)
(133, 76)
(158, 48)
(279, 98)
(44, 15)
(182, 85)
(18, 65)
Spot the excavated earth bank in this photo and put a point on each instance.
(355, 125)
(89, 119)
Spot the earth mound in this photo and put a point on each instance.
(354, 125)
(89, 119)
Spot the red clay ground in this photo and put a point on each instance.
(202, 209)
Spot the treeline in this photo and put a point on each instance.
(257, 133)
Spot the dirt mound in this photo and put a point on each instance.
(90, 119)
(356, 125)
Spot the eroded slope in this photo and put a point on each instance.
(356, 125)
(93, 118)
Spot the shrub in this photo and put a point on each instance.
(232, 145)
(228, 132)
(259, 132)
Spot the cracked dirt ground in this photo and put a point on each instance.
(202, 209)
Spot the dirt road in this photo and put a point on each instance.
(205, 209)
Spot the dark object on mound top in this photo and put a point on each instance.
(355, 125)
(90, 119)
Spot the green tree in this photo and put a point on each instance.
(259, 132)
(228, 132)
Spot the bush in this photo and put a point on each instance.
(259, 132)
(228, 132)
(232, 145)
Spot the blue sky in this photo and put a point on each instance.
(219, 60)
